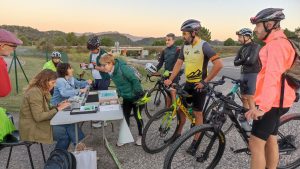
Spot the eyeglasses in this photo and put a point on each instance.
(12, 46)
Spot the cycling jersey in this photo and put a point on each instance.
(196, 59)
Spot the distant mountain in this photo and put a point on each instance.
(33, 35)
(131, 37)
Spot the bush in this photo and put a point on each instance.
(229, 42)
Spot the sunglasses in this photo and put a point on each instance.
(12, 46)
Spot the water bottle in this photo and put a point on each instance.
(244, 123)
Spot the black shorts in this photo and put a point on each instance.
(250, 80)
(198, 98)
(268, 124)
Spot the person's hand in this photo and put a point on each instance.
(199, 85)
(63, 105)
(89, 81)
(83, 90)
(168, 82)
(254, 114)
(155, 74)
(100, 68)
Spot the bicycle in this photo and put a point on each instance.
(167, 127)
(234, 91)
(213, 148)
(161, 129)
(158, 95)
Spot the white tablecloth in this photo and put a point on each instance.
(64, 117)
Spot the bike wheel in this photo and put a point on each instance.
(207, 154)
(158, 102)
(289, 141)
(217, 106)
(157, 134)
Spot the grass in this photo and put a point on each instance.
(33, 65)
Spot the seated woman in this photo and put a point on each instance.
(36, 113)
(67, 86)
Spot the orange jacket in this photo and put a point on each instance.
(276, 57)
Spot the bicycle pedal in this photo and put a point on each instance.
(242, 150)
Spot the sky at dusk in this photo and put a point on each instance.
(147, 18)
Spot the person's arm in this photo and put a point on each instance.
(80, 84)
(65, 91)
(178, 65)
(130, 76)
(161, 61)
(274, 69)
(253, 55)
(5, 85)
(215, 59)
(238, 59)
(217, 66)
(176, 69)
(36, 103)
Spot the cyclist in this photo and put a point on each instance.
(168, 58)
(276, 57)
(102, 79)
(55, 60)
(247, 57)
(195, 53)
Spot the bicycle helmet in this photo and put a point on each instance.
(269, 14)
(190, 25)
(93, 43)
(244, 32)
(56, 54)
(150, 68)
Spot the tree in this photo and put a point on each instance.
(205, 34)
(25, 40)
(229, 42)
(107, 42)
(297, 32)
(59, 41)
(45, 45)
(159, 43)
(179, 42)
(289, 33)
(71, 39)
(82, 40)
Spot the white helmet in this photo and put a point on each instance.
(150, 68)
(56, 54)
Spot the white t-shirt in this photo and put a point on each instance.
(96, 74)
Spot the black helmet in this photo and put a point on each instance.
(244, 32)
(93, 43)
(268, 14)
(190, 25)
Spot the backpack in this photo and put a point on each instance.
(61, 159)
(292, 75)
(137, 74)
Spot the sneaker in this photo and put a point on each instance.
(138, 141)
(98, 124)
(192, 149)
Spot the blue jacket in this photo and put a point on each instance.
(65, 89)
